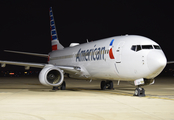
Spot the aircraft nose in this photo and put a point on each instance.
(156, 61)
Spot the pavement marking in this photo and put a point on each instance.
(158, 97)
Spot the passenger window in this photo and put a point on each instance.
(147, 47)
(157, 47)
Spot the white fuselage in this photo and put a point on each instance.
(127, 58)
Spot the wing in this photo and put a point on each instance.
(70, 69)
(170, 62)
(67, 69)
(26, 64)
(27, 53)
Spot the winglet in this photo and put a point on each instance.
(54, 38)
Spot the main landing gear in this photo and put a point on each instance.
(139, 92)
(109, 85)
(106, 85)
(62, 87)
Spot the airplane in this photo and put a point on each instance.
(131, 58)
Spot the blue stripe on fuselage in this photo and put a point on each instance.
(111, 42)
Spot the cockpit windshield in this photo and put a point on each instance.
(157, 47)
(147, 47)
(142, 47)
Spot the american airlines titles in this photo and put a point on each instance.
(90, 54)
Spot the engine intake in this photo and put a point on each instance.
(51, 76)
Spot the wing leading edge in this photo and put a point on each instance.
(67, 69)
(26, 64)
(27, 53)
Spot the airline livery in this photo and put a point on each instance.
(129, 58)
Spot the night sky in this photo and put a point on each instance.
(25, 26)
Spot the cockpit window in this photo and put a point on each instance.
(134, 48)
(143, 47)
(138, 47)
(147, 47)
(157, 47)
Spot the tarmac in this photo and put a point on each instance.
(24, 98)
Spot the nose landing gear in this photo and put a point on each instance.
(139, 92)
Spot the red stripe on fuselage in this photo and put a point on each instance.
(54, 47)
(111, 54)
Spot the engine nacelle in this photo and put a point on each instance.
(51, 76)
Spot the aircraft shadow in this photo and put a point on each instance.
(81, 89)
(68, 89)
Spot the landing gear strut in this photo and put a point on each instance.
(62, 87)
(139, 92)
(55, 88)
(106, 84)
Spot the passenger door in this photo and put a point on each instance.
(118, 52)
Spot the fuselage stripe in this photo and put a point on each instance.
(110, 50)
(111, 54)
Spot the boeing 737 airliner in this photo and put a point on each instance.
(128, 58)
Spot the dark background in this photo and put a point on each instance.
(24, 25)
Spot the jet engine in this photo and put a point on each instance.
(51, 76)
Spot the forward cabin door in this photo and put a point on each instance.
(118, 52)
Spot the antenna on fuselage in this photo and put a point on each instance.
(87, 41)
